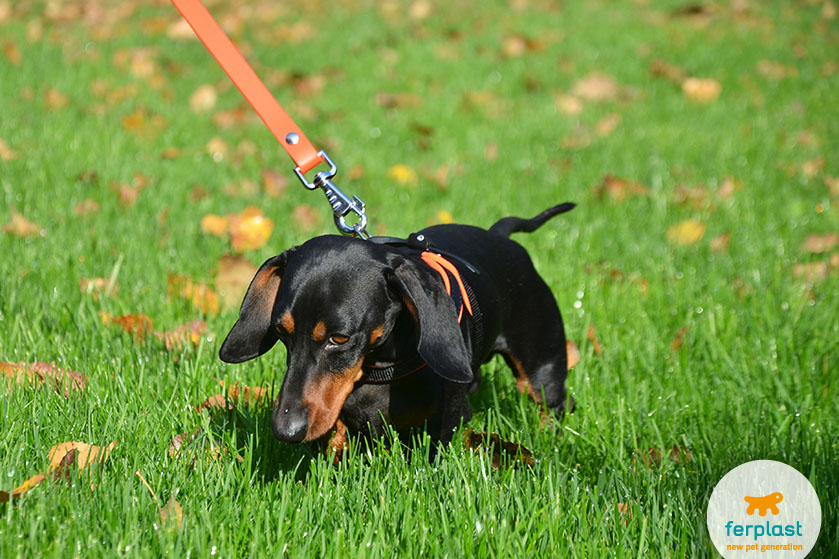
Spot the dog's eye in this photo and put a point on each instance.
(338, 339)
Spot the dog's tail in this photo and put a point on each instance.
(509, 225)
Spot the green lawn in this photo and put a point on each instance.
(718, 341)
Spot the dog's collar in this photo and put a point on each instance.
(463, 298)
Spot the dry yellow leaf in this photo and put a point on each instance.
(573, 353)
(249, 229)
(6, 153)
(217, 225)
(596, 87)
(688, 232)
(19, 226)
(403, 175)
(816, 244)
(203, 99)
(701, 90)
(172, 512)
(6, 496)
(87, 454)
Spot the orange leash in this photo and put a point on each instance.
(281, 125)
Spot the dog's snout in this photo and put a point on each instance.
(288, 426)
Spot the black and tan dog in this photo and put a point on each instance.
(391, 330)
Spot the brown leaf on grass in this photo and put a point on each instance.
(138, 325)
(517, 45)
(813, 271)
(720, 243)
(143, 123)
(249, 229)
(674, 74)
(189, 334)
(812, 167)
(172, 513)
(652, 456)
(573, 353)
(688, 232)
(244, 395)
(87, 207)
(201, 295)
(12, 53)
(61, 380)
(19, 226)
(190, 445)
(832, 184)
(55, 99)
(403, 175)
(6, 153)
(274, 183)
(624, 512)
(607, 125)
(729, 186)
(503, 452)
(776, 70)
(305, 218)
(233, 276)
(401, 100)
(591, 335)
(696, 196)
(203, 99)
(618, 189)
(85, 455)
(96, 287)
(678, 341)
(180, 30)
(6, 496)
(596, 87)
(569, 104)
(701, 90)
(818, 244)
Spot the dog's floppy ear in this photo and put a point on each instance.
(252, 335)
(439, 339)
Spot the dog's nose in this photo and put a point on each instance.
(289, 427)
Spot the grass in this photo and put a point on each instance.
(754, 375)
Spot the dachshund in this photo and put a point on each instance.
(394, 331)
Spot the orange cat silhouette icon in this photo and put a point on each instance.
(768, 502)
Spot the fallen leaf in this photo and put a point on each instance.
(592, 337)
(61, 380)
(274, 183)
(401, 100)
(217, 225)
(403, 175)
(172, 513)
(569, 104)
(652, 456)
(687, 232)
(503, 452)
(55, 99)
(305, 218)
(203, 99)
(678, 341)
(249, 229)
(233, 276)
(812, 167)
(618, 189)
(720, 243)
(573, 353)
(12, 52)
(245, 395)
(87, 454)
(217, 148)
(189, 334)
(776, 70)
(143, 123)
(87, 207)
(670, 72)
(6, 153)
(201, 295)
(812, 271)
(607, 125)
(729, 186)
(832, 184)
(19, 226)
(6, 496)
(696, 196)
(180, 30)
(190, 446)
(96, 287)
(817, 244)
(701, 90)
(138, 325)
(517, 45)
(443, 216)
(596, 87)
(624, 512)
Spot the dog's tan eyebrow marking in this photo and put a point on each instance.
(287, 322)
(319, 332)
(377, 333)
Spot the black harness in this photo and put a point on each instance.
(416, 245)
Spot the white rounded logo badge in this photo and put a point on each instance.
(764, 509)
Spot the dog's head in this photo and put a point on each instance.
(332, 301)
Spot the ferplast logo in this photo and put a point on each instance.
(764, 507)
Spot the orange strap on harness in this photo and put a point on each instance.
(301, 150)
(442, 266)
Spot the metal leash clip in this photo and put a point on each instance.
(341, 203)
